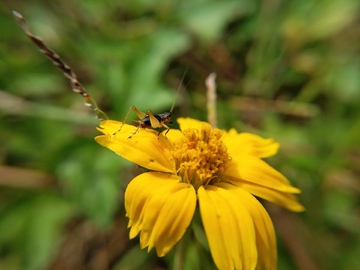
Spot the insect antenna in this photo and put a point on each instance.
(55, 58)
(180, 92)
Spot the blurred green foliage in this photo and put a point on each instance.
(286, 69)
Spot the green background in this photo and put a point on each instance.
(288, 70)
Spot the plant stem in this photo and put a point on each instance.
(181, 250)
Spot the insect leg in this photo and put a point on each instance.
(153, 120)
(168, 129)
(140, 114)
(160, 131)
(133, 133)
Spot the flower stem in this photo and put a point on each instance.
(181, 250)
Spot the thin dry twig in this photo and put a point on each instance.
(68, 73)
(211, 99)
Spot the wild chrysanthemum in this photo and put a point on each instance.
(222, 171)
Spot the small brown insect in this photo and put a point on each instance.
(150, 120)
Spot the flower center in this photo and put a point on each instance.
(200, 156)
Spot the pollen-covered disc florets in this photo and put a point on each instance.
(200, 156)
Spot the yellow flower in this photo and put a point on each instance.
(221, 170)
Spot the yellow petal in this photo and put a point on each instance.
(144, 148)
(283, 199)
(254, 170)
(264, 229)
(249, 144)
(173, 135)
(229, 228)
(161, 207)
(186, 123)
